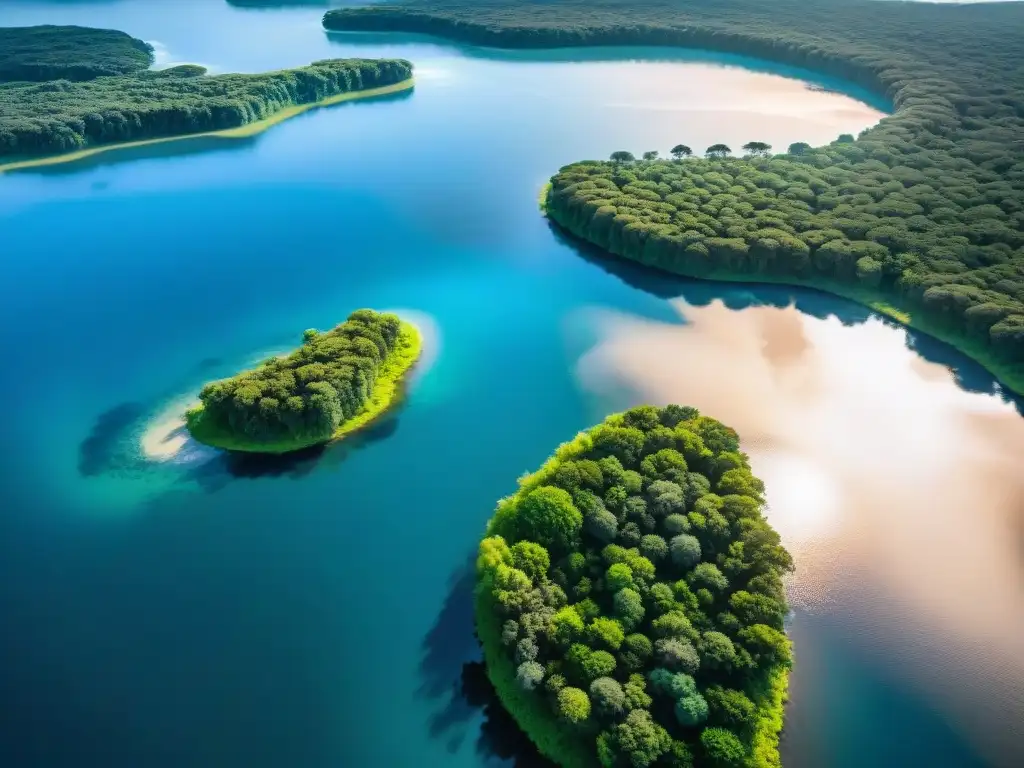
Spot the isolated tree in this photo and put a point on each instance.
(629, 607)
(672, 624)
(799, 148)
(641, 740)
(548, 516)
(651, 155)
(604, 632)
(529, 675)
(731, 709)
(602, 525)
(635, 651)
(717, 150)
(622, 157)
(531, 558)
(676, 654)
(685, 550)
(757, 148)
(722, 747)
(653, 547)
(607, 696)
(691, 710)
(573, 705)
(679, 151)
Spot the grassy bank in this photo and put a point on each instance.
(771, 710)
(244, 131)
(542, 198)
(386, 390)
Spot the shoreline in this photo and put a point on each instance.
(891, 307)
(239, 132)
(526, 709)
(887, 306)
(385, 394)
(542, 198)
(1008, 380)
(503, 37)
(565, 746)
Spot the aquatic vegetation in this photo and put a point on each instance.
(629, 599)
(921, 216)
(333, 384)
(59, 115)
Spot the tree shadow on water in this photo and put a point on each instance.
(453, 674)
(229, 466)
(500, 738)
(183, 146)
(449, 645)
(98, 452)
(700, 292)
(969, 375)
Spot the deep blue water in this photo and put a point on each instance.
(315, 612)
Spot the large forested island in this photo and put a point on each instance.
(630, 600)
(335, 383)
(70, 88)
(921, 217)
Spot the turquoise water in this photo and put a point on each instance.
(208, 612)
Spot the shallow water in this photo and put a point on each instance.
(201, 610)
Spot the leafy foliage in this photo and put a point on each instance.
(925, 211)
(304, 397)
(647, 658)
(114, 101)
(50, 52)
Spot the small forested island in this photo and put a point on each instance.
(920, 217)
(64, 89)
(335, 383)
(630, 602)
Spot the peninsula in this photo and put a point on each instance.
(920, 217)
(630, 602)
(335, 383)
(68, 91)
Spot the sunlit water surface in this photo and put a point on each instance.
(166, 606)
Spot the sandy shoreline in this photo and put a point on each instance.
(165, 436)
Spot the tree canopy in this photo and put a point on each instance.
(638, 650)
(88, 96)
(48, 52)
(303, 398)
(924, 211)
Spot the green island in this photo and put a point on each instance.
(68, 92)
(630, 602)
(920, 217)
(334, 384)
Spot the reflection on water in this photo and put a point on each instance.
(900, 495)
(233, 616)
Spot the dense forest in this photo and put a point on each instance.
(924, 211)
(69, 53)
(630, 599)
(63, 115)
(303, 398)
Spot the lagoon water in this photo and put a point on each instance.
(166, 606)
